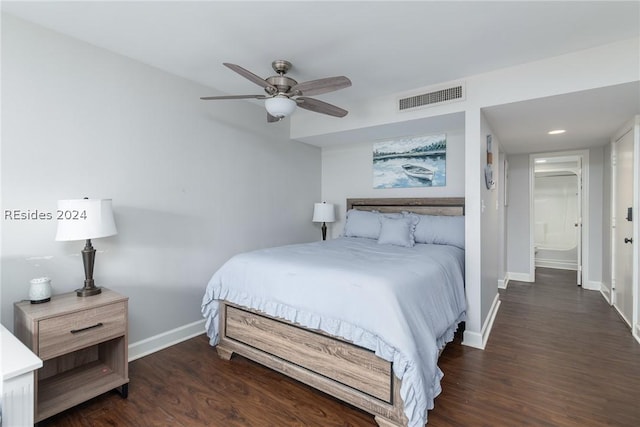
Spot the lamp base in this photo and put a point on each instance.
(88, 260)
(87, 292)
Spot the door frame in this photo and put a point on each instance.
(583, 155)
(632, 125)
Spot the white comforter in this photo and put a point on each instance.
(402, 303)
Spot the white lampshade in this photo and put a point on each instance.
(280, 106)
(82, 219)
(323, 212)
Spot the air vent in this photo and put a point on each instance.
(451, 93)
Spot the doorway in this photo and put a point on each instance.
(559, 215)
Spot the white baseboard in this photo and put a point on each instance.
(636, 333)
(554, 263)
(479, 340)
(472, 339)
(521, 277)
(606, 293)
(592, 285)
(503, 283)
(623, 317)
(165, 339)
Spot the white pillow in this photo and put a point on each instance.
(397, 231)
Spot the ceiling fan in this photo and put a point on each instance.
(283, 93)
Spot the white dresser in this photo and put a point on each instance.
(17, 366)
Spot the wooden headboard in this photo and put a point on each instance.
(424, 206)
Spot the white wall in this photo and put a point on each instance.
(192, 183)
(347, 172)
(597, 199)
(490, 229)
(518, 218)
(502, 220)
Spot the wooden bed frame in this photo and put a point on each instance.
(330, 364)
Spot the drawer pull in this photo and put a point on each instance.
(75, 331)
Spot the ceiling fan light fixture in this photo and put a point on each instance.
(281, 90)
(280, 106)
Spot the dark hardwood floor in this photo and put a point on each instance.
(557, 356)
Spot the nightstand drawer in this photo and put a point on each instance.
(63, 334)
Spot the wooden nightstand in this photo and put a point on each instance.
(83, 343)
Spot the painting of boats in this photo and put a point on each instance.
(418, 161)
(418, 172)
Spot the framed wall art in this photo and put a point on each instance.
(418, 161)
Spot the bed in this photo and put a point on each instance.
(347, 316)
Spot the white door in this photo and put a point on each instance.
(623, 227)
(578, 223)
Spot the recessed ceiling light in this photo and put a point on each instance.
(556, 132)
(541, 160)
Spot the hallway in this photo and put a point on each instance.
(558, 355)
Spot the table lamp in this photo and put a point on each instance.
(86, 219)
(323, 212)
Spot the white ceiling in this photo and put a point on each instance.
(384, 47)
(590, 118)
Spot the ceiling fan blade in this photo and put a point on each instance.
(250, 76)
(208, 98)
(316, 87)
(273, 119)
(318, 106)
